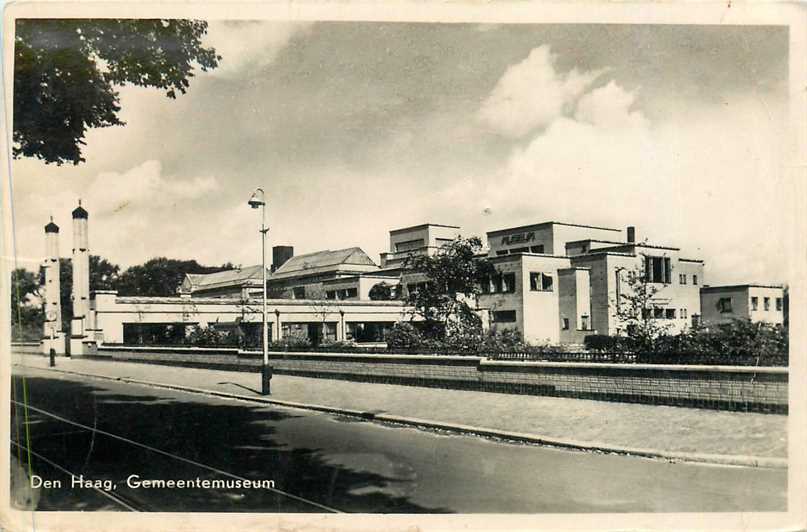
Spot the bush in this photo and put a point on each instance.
(210, 337)
(405, 335)
(609, 344)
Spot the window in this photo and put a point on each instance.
(669, 313)
(683, 313)
(754, 303)
(537, 249)
(767, 303)
(540, 282)
(298, 292)
(504, 316)
(520, 250)
(646, 313)
(330, 294)
(584, 322)
(565, 324)
(496, 284)
(352, 292)
(724, 305)
(658, 269)
(501, 252)
(409, 245)
(658, 313)
(694, 279)
(682, 278)
(696, 320)
(508, 283)
(779, 303)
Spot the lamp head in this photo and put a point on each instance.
(257, 200)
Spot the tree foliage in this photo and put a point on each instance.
(27, 316)
(161, 276)
(382, 292)
(454, 275)
(65, 71)
(103, 276)
(635, 309)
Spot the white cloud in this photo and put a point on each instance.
(532, 94)
(609, 106)
(249, 44)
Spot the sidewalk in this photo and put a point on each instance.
(668, 429)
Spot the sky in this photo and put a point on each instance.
(357, 128)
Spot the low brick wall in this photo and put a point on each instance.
(717, 387)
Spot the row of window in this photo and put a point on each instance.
(345, 293)
(527, 249)
(506, 283)
(661, 313)
(682, 278)
(584, 325)
(724, 304)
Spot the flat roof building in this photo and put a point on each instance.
(754, 302)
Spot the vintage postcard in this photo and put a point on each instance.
(322, 266)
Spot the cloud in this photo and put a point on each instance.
(252, 45)
(531, 94)
(609, 106)
(132, 213)
(711, 184)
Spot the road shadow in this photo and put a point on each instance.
(233, 437)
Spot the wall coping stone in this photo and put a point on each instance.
(657, 367)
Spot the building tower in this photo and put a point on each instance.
(81, 279)
(52, 332)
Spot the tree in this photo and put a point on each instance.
(454, 276)
(634, 307)
(103, 276)
(382, 292)
(160, 276)
(65, 71)
(27, 316)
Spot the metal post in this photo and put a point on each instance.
(266, 374)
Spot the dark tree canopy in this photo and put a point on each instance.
(103, 276)
(65, 71)
(161, 276)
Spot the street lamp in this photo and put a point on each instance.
(257, 201)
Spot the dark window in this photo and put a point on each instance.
(694, 279)
(584, 322)
(767, 303)
(504, 316)
(682, 278)
(646, 313)
(754, 303)
(520, 250)
(540, 281)
(669, 313)
(658, 312)
(485, 285)
(683, 313)
(537, 249)
(565, 324)
(778, 303)
(509, 283)
(330, 294)
(496, 284)
(352, 292)
(658, 269)
(696, 320)
(298, 292)
(724, 305)
(501, 252)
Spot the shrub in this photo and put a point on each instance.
(609, 344)
(405, 335)
(209, 337)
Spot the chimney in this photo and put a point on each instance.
(280, 254)
(631, 234)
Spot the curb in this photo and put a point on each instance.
(673, 456)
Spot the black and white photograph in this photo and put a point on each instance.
(290, 265)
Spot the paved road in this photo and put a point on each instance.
(319, 461)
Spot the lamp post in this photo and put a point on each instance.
(257, 201)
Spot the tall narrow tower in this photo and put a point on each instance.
(52, 333)
(81, 272)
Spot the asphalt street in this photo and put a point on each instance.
(319, 462)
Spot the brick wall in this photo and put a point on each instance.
(717, 387)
